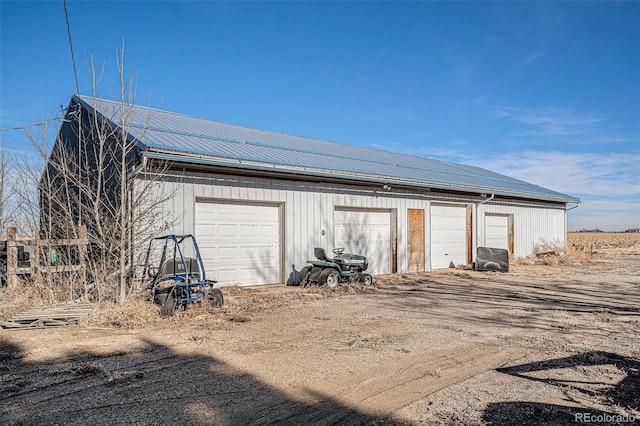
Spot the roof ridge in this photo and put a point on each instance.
(189, 126)
(283, 133)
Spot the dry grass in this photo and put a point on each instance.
(603, 240)
(581, 247)
(135, 313)
(20, 297)
(554, 255)
(36, 292)
(243, 304)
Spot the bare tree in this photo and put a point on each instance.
(6, 190)
(6, 209)
(95, 175)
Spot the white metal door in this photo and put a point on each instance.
(496, 231)
(365, 232)
(239, 243)
(448, 236)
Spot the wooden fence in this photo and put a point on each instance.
(13, 271)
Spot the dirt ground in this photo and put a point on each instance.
(553, 341)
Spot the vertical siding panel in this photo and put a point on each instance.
(289, 228)
(314, 222)
(297, 237)
(200, 185)
(229, 191)
(189, 206)
(242, 190)
(309, 209)
(174, 202)
(251, 189)
(427, 237)
(210, 187)
(307, 221)
(216, 191)
(532, 226)
(401, 233)
(180, 206)
(327, 213)
(266, 190)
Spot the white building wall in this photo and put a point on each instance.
(531, 226)
(308, 210)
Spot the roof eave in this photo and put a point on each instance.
(343, 175)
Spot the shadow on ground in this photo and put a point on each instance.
(625, 394)
(495, 300)
(153, 386)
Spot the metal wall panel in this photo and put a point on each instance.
(496, 231)
(531, 226)
(308, 212)
(366, 232)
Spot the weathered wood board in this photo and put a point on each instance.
(52, 316)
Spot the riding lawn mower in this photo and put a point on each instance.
(342, 268)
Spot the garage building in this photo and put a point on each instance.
(259, 201)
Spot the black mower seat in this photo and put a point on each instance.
(173, 267)
(321, 254)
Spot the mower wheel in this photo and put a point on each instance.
(331, 277)
(366, 279)
(215, 297)
(168, 308)
(304, 275)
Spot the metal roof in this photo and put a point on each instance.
(183, 138)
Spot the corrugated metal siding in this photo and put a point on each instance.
(531, 226)
(181, 134)
(309, 209)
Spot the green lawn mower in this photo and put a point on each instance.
(343, 268)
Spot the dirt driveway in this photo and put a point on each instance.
(539, 345)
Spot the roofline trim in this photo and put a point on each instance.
(342, 175)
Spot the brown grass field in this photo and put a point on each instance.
(553, 341)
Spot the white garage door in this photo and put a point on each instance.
(496, 231)
(448, 236)
(367, 233)
(239, 243)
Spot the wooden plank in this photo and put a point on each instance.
(46, 243)
(58, 309)
(54, 316)
(62, 268)
(416, 240)
(14, 242)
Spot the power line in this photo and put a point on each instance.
(3, 129)
(73, 59)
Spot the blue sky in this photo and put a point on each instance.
(545, 92)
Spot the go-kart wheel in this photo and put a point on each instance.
(160, 298)
(332, 278)
(168, 308)
(366, 279)
(215, 297)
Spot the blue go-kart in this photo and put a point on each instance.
(179, 279)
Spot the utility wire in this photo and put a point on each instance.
(73, 59)
(28, 126)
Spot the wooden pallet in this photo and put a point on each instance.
(53, 316)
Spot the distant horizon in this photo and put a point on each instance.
(598, 231)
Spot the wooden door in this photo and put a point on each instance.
(416, 240)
